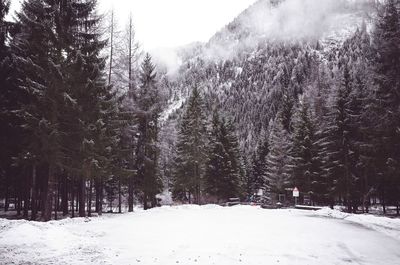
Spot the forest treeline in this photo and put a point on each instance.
(70, 137)
(81, 125)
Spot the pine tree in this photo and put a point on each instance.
(303, 150)
(67, 106)
(224, 170)
(10, 134)
(191, 151)
(386, 103)
(39, 55)
(217, 166)
(91, 99)
(148, 111)
(259, 164)
(341, 160)
(235, 180)
(278, 162)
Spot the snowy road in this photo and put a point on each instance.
(197, 235)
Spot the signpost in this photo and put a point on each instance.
(296, 194)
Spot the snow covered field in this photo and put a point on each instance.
(204, 235)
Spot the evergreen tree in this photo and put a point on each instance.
(259, 164)
(66, 105)
(191, 151)
(386, 103)
(224, 170)
(39, 56)
(340, 163)
(278, 162)
(8, 100)
(91, 106)
(305, 153)
(148, 111)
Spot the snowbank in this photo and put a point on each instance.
(386, 225)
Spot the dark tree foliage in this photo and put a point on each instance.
(259, 169)
(385, 105)
(189, 164)
(223, 178)
(7, 99)
(305, 152)
(63, 110)
(148, 111)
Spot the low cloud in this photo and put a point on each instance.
(287, 20)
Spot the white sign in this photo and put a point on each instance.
(296, 192)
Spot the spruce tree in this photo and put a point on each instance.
(148, 112)
(190, 155)
(90, 98)
(386, 103)
(37, 51)
(278, 162)
(8, 101)
(341, 159)
(259, 164)
(224, 173)
(304, 151)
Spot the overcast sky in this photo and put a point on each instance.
(171, 23)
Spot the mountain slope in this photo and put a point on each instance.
(275, 49)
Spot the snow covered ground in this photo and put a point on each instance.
(205, 235)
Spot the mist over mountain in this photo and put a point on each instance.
(328, 21)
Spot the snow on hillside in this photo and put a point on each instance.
(199, 235)
(173, 105)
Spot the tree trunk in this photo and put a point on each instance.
(97, 196)
(90, 199)
(26, 197)
(48, 205)
(72, 199)
(100, 212)
(56, 201)
(82, 188)
(145, 201)
(154, 201)
(64, 196)
(197, 191)
(18, 203)
(7, 196)
(33, 194)
(130, 195)
(383, 202)
(119, 196)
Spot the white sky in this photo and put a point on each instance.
(171, 23)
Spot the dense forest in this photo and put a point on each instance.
(83, 117)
